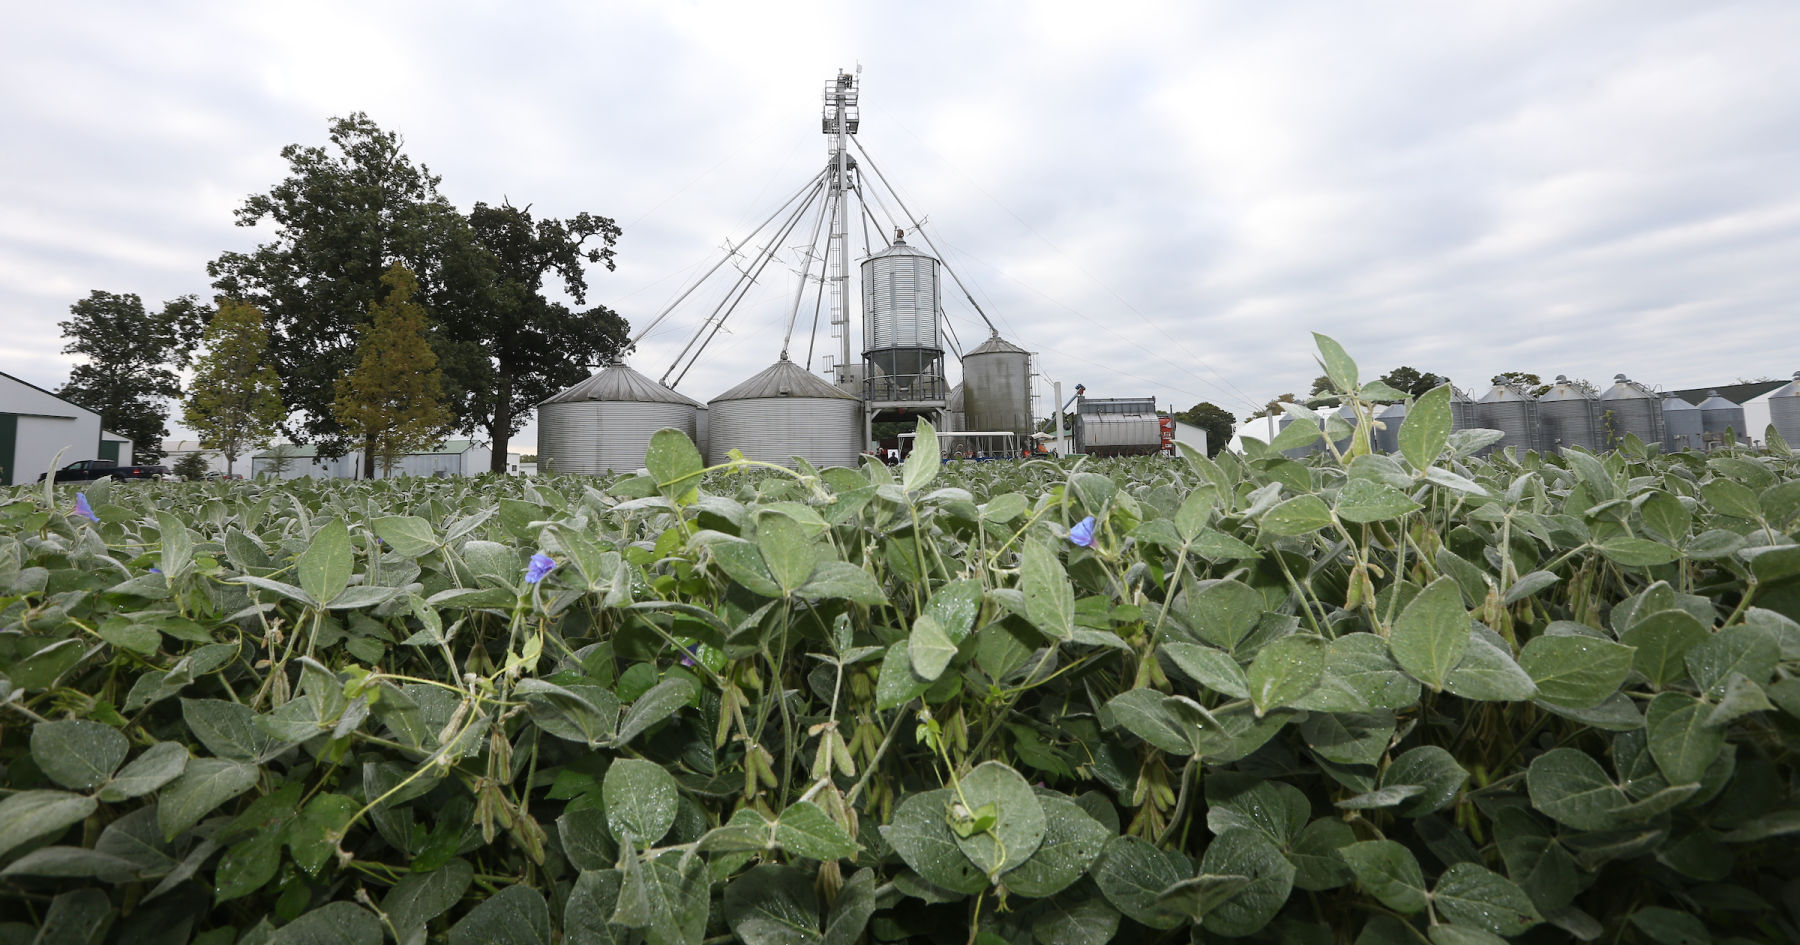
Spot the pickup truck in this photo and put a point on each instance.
(88, 470)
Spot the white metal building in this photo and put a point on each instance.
(453, 458)
(35, 425)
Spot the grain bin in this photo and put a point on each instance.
(1784, 411)
(1512, 410)
(603, 424)
(1718, 415)
(783, 412)
(954, 405)
(1682, 428)
(1568, 416)
(1630, 408)
(1387, 439)
(997, 387)
(1462, 410)
(903, 352)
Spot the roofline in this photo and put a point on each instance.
(50, 393)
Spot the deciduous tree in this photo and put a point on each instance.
(1412, 380)
(393, 400)
(130, 359)
(234, 402)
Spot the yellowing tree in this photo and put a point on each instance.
(235, 400)
(393, 400)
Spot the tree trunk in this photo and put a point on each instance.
(368, 457)
(501, 430)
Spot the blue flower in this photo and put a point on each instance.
(541, 564)
(1083, 533)
(83, 509)
(689, 653)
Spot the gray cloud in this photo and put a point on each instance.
(1160, 198)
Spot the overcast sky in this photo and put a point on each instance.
(1160, 199)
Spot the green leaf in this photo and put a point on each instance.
(1573, 789)
(1732, 498)
(672, 460)
(516, 915)
(1535, 859)
(587, 715)
(325, 565)
(1463, 935)
(76, 753)
(1668, 927)
(1247, 853)
(1364, 500)
(1275, 809)
(1072, 841)
(1349, 738)
(1487, 673)
(334, 923)
(1662, 641)
(1049, 597)
(851, 910)
(1285, 670)
(929, 649)
(1665, 515)
(1132, 874)
(743, 563)
(227, 729)
(925, 460)
(1389, 796)
(420, 897)
(1315, 857)
(897, 683)
(1337, 364)
(1143, 712)
(787, 549)
(659, 704)
(841, 580)
(1742, 650)
(1426, 428)
(1637, 552)
(1431, 768)
(1389, 872)
(313, 836)
(77, 917)
(1475, 896)
(805, 830)
(640, 799)
(203, 786)
(775, 905)
(177, 556)
(588, 913)
(588, 842)
(1073, 921)
(666, 897)
(1682, 739)
(1213, 668)
(408, 535)
(920, 833)
(247, 865)
(1020, 820)
(30, 814)
(1297, 516)
(1364, 663)
(1527, 585)
(1576, 671)
(1196, 897)
(1432, 633)
(1222, 612)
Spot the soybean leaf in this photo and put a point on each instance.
(1072, 840)
(774, 905)
(1682, 738)
(1662, 641)
(1432, 633)
(1576, 671)
(30, 814)
(1275, 809)
(1196, 897)
(851, 910)
(408, 535)
(1472, 895)
(1315, 854)
(1363, 500)
(588, 913)
(1535, 860)
(1742, 649)
(1337, 363)
(1132, 873)
(334, 923)
(1573, 789)
(842, 580)
(1389, 872)
(672, 461)
(1285, 670)
(924, 462)
(804, 830)
(929, 649)
(420, 897)
(204, 785)
(1247, 853)
(516, 915)
(1431, 768)
(919, 831)
(656, 705)
(77, 917)
(787, 549)
(1072, 921)
(1049, 598)
(325, 565)
(1210, 667)
(1349, 738)
(666, 897)
(76, 753)
(640, 798)
(1487, 673)
(1297, 516)
(1426, 428)
(1019, 821)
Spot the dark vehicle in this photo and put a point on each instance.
(90, 469)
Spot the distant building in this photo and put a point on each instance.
(35, 425)
(174, 451)
(453, 458)
(1753, 397)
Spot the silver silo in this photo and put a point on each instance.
(1717, 415)
(1512, 410)
(1784, 411)
(1462, 410)
(997, 387)
(1628, 407)
(783, 412)
(1387, 439)
(604, 423)
(954, 406)
(1682, 428)
(1568, 416)
(903, 352)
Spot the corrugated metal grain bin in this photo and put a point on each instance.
(1718, 415)
(1682, 426)
(1512, 410)
(1567, 416)
(603, 424)
(1630, 408)
(783, 412)
(997, 387)
(1784, 411)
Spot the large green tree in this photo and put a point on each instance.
(1412, 380)
(393, 399)
(130, 358)
(342, 216)
(1215, 420)
(510, 347)
(234, 402)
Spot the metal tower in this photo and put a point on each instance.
(840, 121)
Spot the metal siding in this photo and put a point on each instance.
(1568, 416)
(1718, 415)
(774, 430)
(1513, 414)
(1631, 409)
(594, 437)
(1784, 412)
(900, 303)
(1681, 424)
(1387, 439)
(997, 391)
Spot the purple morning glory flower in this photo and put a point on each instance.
(83, 509)
(541, 564)
(688, 654)
(155, 570)
(1083, 532)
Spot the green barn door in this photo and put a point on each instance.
(109, 450)
(9, 435)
